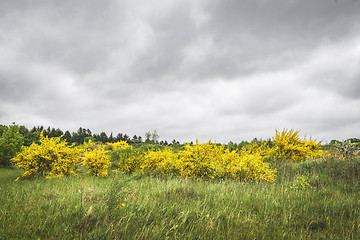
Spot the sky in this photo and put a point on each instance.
(220, 70)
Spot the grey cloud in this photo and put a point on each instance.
(79, 36)
(246, 37)
(173, 32)
(339, 83)
(258, 31)
(225, 70)
(335, 68)
(292, 20)
(10, 90)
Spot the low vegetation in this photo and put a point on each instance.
(283, 188)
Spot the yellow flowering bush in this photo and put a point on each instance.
(207, 160)
(247, 165)
(228, 165)
(253, 167)
(165, 161)
(314, 149)
(260, 148)
(289, 146)
(212, 161)
(97, 160)
(199, 160)
(51, 158)
(129, 159)
(118, 145)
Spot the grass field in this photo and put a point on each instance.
(309, 200)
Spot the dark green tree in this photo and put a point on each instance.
(67, 137)
(111, 137)
(135, 139)
(80, 136)
(119, 137)
(102, 137)
(28, 139)
(126, 138)
(55, 132)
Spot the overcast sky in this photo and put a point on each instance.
(225, 70)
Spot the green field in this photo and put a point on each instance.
(309, 200)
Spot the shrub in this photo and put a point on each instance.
(261, 148)
(246, 165)
(166, 161)
(118, 145)
(253, 164)
(128, 160)
(51, 158)
(290, 147)
(206, 160)
(347, 149)
(200, 160)
(97, 160)
(212, 161)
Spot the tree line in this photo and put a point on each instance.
(83, 135)
(78, 137)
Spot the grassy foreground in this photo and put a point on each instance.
(143, 207)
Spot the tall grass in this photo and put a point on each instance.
(143, 207)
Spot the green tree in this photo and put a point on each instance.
(126, 138)
(67, 137)
(111, 138)
(79, 136)
(135, 139)
(27, 135)
(55, 132)
(102, 137)
(10, 144)
(3, 128)
(119, 137)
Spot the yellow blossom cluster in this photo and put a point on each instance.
(207, 160)
(249, 163)
(118, 145)
(51, 158)
(97, 160)
(129, 160)
(213, 161)
(164, 161)
(290, 147)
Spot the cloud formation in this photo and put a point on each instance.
(221, 70)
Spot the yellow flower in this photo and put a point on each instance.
(290, 147)
(51, 158)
